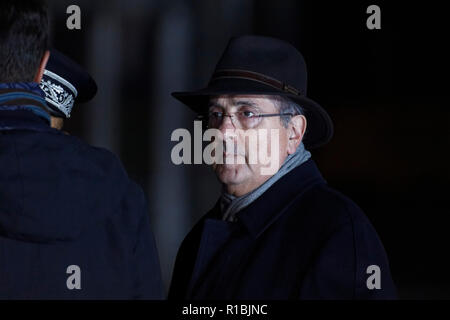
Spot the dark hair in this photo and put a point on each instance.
(23, 39)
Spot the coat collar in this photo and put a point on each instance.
(265, 210)
(22, 119)
(22, 106)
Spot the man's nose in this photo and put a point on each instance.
(227, 124)
(227, 129)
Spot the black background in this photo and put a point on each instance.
(386, 91)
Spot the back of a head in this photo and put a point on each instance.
(23, 39)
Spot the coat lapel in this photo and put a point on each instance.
(265, 210)
(223, 245)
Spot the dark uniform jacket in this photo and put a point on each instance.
(299, 240)
(72, 224)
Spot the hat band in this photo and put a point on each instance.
(59, 93)
(254, 76)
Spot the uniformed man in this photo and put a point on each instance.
(72, 223)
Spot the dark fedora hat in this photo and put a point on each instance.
(264, 66)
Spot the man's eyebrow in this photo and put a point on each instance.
(246, 103)
(215, 104)
(235, 103)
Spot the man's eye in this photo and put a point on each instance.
(215, 114)
(248, 114)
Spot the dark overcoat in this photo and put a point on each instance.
(300, 240)
(72, 224)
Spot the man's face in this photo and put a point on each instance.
(239, 172)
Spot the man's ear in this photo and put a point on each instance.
(42, 65)
(297, 128)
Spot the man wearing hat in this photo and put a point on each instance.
(283, 235)
(72, 223)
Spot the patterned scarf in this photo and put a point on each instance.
(24, 96)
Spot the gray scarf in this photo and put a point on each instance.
(230, 205)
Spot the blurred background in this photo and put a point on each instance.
(386, 90)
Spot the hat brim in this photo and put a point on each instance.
(319, 125)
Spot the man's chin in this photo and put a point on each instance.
(228, 173)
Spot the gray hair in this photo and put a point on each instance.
(286, 105)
